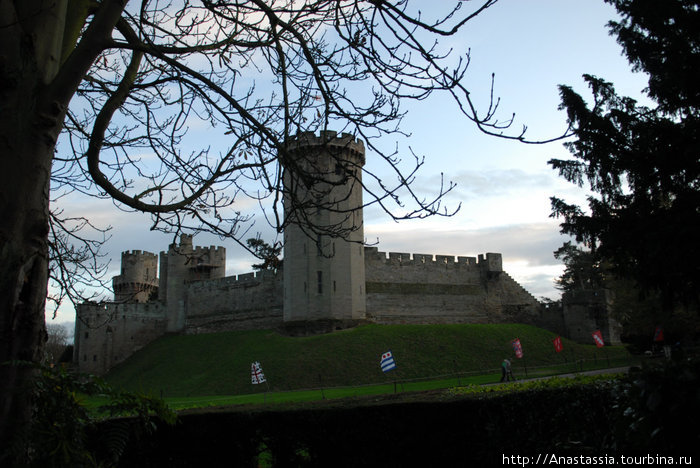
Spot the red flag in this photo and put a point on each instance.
(517, 347)
(659, 334)
(598, 338)
(558, 346)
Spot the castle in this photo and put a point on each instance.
(327, 282)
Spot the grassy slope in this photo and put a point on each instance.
(219, 364)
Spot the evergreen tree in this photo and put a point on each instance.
(641, 162)
(583, 270)
(269, 254)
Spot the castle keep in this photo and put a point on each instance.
(326, 280)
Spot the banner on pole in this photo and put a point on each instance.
(517, 348)
(659, 334)
(558, 346)
(256, 373)
(598, 338)
(387, 362)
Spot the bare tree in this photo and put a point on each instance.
(56, 342)
(108, 98)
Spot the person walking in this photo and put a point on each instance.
(505, 365)
(509, 371)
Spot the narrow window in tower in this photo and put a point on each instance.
(319, 275)
(338, 169)
(319, 249)
(333, 285)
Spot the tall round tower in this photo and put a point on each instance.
(138, 278)
(324, 269)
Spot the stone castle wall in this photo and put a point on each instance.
(587, 311)
(420, 288)
(108, 333)
(247, 301)
(399, 288)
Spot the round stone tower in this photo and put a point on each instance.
(324, 269)
(138, 278)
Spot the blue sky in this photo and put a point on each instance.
(503, 187)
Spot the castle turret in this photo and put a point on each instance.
(182, 264)
(138, 279)
(324, 272)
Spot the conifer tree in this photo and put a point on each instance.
(640, 162)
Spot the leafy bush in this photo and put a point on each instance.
(60, 433)
(658, 407)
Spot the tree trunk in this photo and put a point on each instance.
(29, 126)
(41, 67)
(27, 153)
(24, 211)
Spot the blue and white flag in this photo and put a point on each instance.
(387, 363)
(256, 373)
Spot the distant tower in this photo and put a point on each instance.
(324, 275)
(182, 264)
(138, 278)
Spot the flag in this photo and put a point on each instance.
(256, 373)
(598, 338)
(387, 362)
(659, 334)
(517, 348)
(558, 346)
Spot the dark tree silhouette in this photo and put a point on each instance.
(642, 162)
(582, 269)
(269, 254)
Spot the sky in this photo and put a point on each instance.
(502, 187)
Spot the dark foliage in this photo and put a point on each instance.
(583, 269)
(269, 254)
(642, 162)
(62, 434)
(658, 409)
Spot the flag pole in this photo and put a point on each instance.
(320, 384)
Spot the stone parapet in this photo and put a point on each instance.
(328, 139)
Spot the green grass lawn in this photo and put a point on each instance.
(456, 386)
(196, 366)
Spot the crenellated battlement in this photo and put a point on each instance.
(329, 138)
(213, 253)
(490, 261)
(242, 280)
(137, 254)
